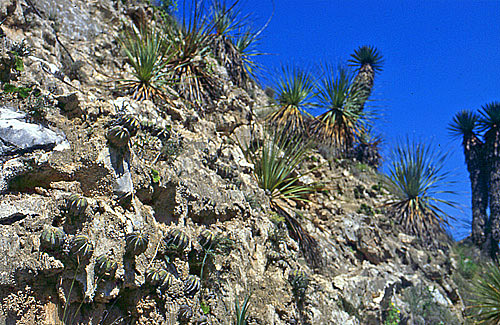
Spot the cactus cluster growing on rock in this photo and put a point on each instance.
(158, 277)
(52, 239)
(118, 136)
(192, 285)
(81, 248)
(136, 243)
(162, 133)
(299, 281)
(176, 241)
(105, 267)
(76, 206)
(206, 239)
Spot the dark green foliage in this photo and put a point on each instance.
(241, 312)
(22, 92)
(131, 123)
(52, 239)
(464, 124)
(185, 314)
(136, 243)
(159, 278)
(192, 285)
(118, 136)
(489, 118)
(366, 210)
(176, 241)
(299, 281)
(105, 267)
(81, 249)
(415, 178)
(76, 206)
(12, 64)
(206, 239)
(367, 55)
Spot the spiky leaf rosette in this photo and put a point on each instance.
(146, 51)
(206, 239)
(464, 124)
(176, 240)
(342, 121)
(295, 90)
(416, 178)
(367, 55)
(192, 285)
(76, 205)
(489, 123)
(118, 136)
(486, 303)
(52, 239)
(81, 249)
(136, 243)
(105, 267)
(131, 123)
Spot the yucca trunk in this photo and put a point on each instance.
(492, 147)
(478, 174)
(363, 83)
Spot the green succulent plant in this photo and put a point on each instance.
(486, 301)
(52, 239)
(192, 285)
(76, 205)
(156, 277)
(176, 240)
(241, 312)
(185, 314)
(81, 249)
(118, 136)
(136, 243)
(206, 239)
(131, 123)
(105, 267)
(299, 281)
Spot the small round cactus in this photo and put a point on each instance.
(159, 278)
(192, 285)
(76, 205)
(185, 314)
(299, 281)
(118, 136)
(105, 267)
(176, 240)
(136, 243)
(52, 239)
(131, 123)
(274, 256)
(206, 239)
(81, 248)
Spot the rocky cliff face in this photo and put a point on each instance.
(182, 173)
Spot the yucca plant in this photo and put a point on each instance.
(146, 50)
(276, 162)
(245, 42)
(489, 123)
(486, 304)
(342, 121)
(295, 90)
(190, 45)
(415, 179)
(368, 62)
(465, 126)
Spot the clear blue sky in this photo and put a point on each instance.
(440, 57)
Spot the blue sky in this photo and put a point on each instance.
(440, 57)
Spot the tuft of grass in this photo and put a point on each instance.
(343, 121)
(486, 304)
(146, 50)
(295, 90)
(415, 179)
(241, 312)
